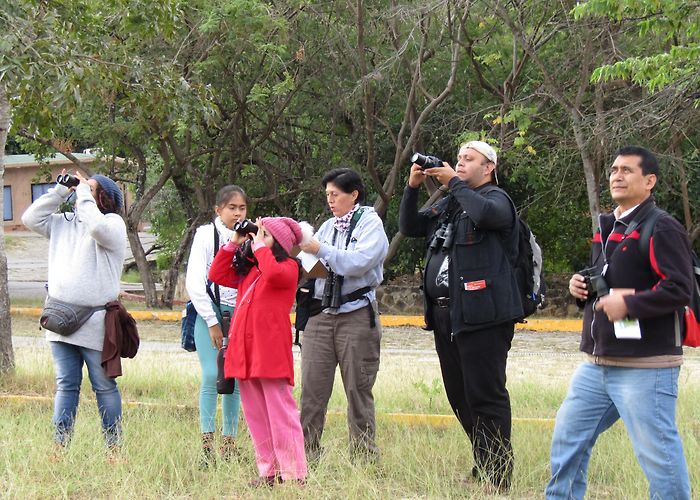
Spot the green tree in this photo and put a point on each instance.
(164, 92)
(668, 36)
(31, 60)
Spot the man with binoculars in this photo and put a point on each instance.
(471, 296)
(633, 301)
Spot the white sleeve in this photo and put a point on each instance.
(196, 277)
(39, 215)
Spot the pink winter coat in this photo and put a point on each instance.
(260, 337)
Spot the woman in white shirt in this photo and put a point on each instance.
(231, 207)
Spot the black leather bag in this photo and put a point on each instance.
(224, 385)
(65, 318)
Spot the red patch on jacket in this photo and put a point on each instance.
(470, 286)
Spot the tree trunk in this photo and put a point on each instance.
(170, 278)
(675, 147)
(435, 195)
(410, 128)
(149, 284)
(591, 167)
(7, 357)
(368, 108)
(144, 195)
(589, 173)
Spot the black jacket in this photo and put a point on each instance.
(483, 288)
(662, 279)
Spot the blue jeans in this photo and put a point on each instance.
(68, 363)
(645, 399)
(230, 403)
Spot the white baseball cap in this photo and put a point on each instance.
(486, 150)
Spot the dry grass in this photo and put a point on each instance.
(161, 438)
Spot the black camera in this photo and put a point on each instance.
(245, 227)
(595, 282)
(332, 296)
(426, 161)
(67, 180)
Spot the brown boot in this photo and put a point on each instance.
(228, 449)
(115, 456)
(207, 458)
(58, 453)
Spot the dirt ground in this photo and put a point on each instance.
(545, 359)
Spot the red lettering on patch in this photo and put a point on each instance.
(470, 286)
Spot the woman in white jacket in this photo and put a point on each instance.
(231, 207)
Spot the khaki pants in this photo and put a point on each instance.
(346, 340)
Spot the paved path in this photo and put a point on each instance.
(27, 263)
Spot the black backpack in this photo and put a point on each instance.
(528, 265)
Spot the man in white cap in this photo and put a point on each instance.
(471, 297)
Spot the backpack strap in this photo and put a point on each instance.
(516, 222)
(353, 222)
(649, 217)
(215, 297)
(360, 292)
(644, 243)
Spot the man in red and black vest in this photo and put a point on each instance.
(632, 334)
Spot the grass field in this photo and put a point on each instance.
(160, 389)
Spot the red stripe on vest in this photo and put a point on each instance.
(654, 263)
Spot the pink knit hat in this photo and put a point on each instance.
(286, 231)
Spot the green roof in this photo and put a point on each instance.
(26, 160)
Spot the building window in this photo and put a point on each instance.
(7, 203)
(40, 189)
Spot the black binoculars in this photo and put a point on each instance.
(425, 161)
(332, 296)
(67, 180)
(245, 227)
(595, 282)
(443, 237)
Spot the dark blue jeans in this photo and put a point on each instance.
(68, 362)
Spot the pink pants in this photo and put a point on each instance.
(273, 421)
